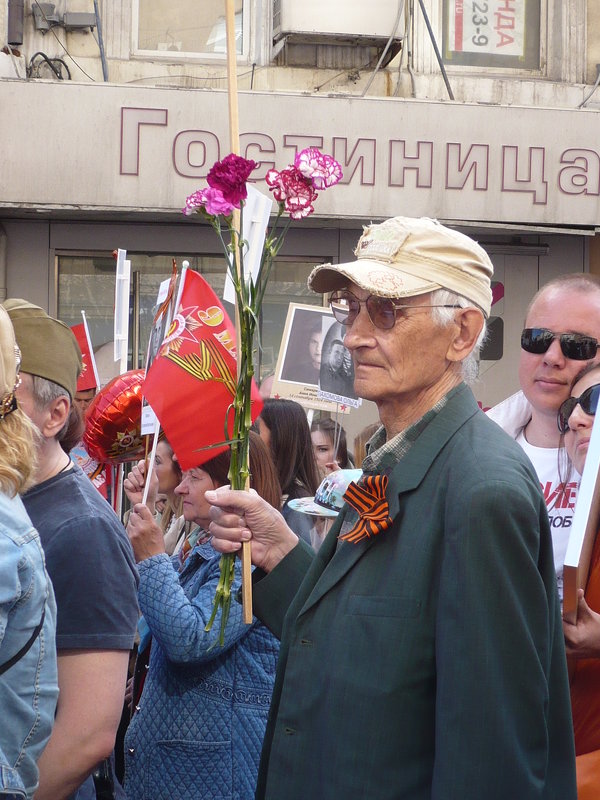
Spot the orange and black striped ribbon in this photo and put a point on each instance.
(186, 549)
(368, 498)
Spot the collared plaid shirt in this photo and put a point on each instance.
(382, 455)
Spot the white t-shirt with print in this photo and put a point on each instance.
(560, 500)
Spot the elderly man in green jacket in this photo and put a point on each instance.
(421, 649)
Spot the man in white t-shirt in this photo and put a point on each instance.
(561, 335)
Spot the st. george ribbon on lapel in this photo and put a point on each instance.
(368, 498)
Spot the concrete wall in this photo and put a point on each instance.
(570, 49)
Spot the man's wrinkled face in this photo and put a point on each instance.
(402, 363)
(546, 378)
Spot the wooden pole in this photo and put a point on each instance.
(234, 140)
(232, 92)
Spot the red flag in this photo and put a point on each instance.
(191, 383)
(87, 379)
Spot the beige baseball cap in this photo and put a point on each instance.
(406, 256)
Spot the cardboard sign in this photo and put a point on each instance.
(586, 521)
(313, 367)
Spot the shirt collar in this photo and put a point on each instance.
(383, 455)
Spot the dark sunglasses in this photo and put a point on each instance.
(381, 310)
(573, 345)
(588, 401)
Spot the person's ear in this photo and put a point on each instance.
(56, 416)
(468, 323)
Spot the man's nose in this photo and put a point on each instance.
(554, 354)
(361, 331)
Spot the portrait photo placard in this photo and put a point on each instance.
(314, 368)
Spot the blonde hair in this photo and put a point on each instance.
(17, 452)
(171, 512)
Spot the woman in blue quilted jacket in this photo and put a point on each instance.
(198, 727)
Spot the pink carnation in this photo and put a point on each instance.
(294, 190)
(209, 200)
(229, 176)
(323, 170)
(215, 203)
(194, 202)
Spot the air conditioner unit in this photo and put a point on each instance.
(319, 20)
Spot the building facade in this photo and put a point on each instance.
(484, 115)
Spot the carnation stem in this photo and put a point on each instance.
(249, 298)
(295, 189)
(239, 471)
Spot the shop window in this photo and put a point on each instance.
(503, 34)
(187, 27)
(87, 281)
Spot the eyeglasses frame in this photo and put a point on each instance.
(576, 401)
(563, 339)
(396, 306)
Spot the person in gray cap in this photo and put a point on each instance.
(422, 655)
(89, 559)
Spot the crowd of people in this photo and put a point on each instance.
(407, 639)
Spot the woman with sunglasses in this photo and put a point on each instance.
(575, 420)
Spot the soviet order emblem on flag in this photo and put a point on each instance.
(191, 383)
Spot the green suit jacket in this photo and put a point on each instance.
(426, 662)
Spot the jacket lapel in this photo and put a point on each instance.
(335, 559)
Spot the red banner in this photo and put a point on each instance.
(87, 379)
(191, 383)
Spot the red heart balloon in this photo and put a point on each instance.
(113, 420)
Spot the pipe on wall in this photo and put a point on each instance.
(16, 19)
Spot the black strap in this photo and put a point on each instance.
(17, 656)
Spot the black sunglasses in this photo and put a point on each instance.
(573, 345)
(381, 310)
(588, 401)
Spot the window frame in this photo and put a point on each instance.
(177, 55)
(492, 62)
(425, 62)
(273, 299)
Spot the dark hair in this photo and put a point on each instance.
(263, 476)
(334, 431)
(72, 431)
(291, 447)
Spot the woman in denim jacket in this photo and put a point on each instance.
(28, 682)
(197, 730)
